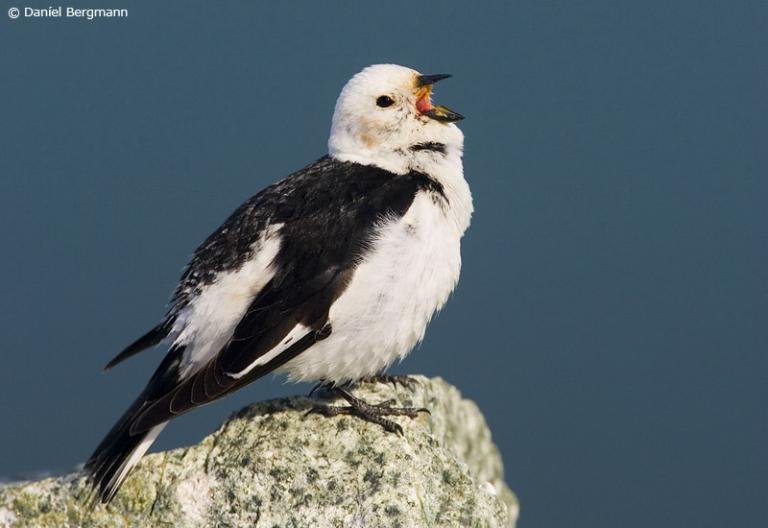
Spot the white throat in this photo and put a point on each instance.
(395, 152)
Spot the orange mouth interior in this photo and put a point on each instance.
(424, 102)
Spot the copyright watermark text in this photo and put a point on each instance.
(65, 12)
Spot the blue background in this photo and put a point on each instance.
(611, 317)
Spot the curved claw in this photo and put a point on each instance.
(397, 429)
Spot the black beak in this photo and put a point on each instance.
(428, 80)
(444, 114)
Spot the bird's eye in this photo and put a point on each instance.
(384, 101)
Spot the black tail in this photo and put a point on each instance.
(110, 463)
(149, 339)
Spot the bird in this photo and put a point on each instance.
(330, 275)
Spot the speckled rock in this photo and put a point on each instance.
(274, 465)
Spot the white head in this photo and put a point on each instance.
(385, 112)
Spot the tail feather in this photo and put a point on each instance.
(150, 339)
(118, 453)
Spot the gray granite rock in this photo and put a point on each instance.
(274, 465)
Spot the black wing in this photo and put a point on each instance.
(334, 201)
(329, 211)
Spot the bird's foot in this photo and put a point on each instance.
(370, 412)
(405, 381)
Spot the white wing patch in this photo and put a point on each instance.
(205, 325)
(294, 335)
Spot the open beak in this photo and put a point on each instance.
(424, 102)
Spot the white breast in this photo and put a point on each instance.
(407, 276)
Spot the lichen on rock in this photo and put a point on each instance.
(274, 465)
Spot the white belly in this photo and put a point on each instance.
(408, 275)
